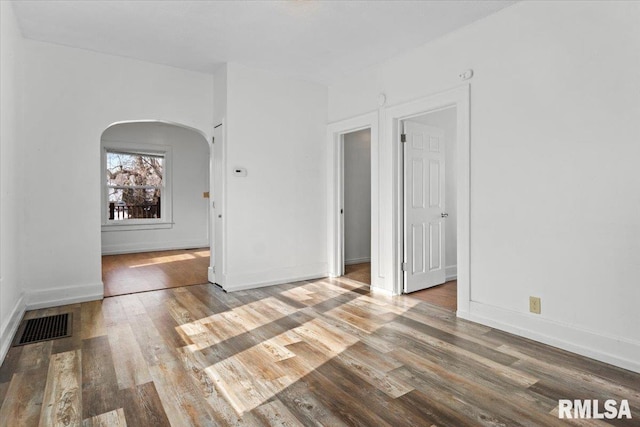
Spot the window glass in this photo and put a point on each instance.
(134, 185)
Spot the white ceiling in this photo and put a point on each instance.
(314, 40)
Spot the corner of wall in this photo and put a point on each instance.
(12, 305)
(451, 272)
(9, 328)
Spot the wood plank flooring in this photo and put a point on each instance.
(146, 271)
(445, 295)
(359, 272)
(323, 352)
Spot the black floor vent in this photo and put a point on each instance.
(44, 328)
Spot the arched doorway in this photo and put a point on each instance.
(155, 214)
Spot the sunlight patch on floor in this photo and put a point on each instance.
(164, 260)
(224, 326)
(255, 375)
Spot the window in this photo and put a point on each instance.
(135, 188)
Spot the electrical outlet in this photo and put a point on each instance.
(534, 305)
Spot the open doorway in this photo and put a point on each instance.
(430, 217)
(154, 207)
(335, 206)
(356, 202)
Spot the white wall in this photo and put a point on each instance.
(446, 120)
(220, 90)
(189, 178)
(11, 293)
(357, 196)
(275, 216)
(71, 97)
(555, 207)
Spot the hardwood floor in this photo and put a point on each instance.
(359, 272)
(141, 272)
(445, 295)
(325, 352)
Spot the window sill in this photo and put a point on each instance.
(133, 226)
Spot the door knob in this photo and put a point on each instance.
(444, 214)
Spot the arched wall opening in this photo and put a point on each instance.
(157, 201)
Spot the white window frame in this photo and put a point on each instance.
(166, 207)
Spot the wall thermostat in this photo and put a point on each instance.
(237, 171)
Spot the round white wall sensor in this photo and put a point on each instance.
(239, 171)
(382, 99)
(466, 74)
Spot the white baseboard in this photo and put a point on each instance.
(356, 260)
(132, 248)
(211, 275)
(64, 296)
(383, 291)
(10, 326)
(616, 351)
(239, 282)
(451, 272)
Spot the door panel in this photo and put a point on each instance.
(435, 242)
(435, 199)
(424, 203)
(417, 188)
(418, 245)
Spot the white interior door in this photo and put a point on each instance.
(424, 207)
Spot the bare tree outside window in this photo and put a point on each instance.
(134, 183)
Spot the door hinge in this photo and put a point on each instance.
(404, 266)
(403, 137)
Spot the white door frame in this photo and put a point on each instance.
(335, 243)
(458, 97)
(217, 195)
